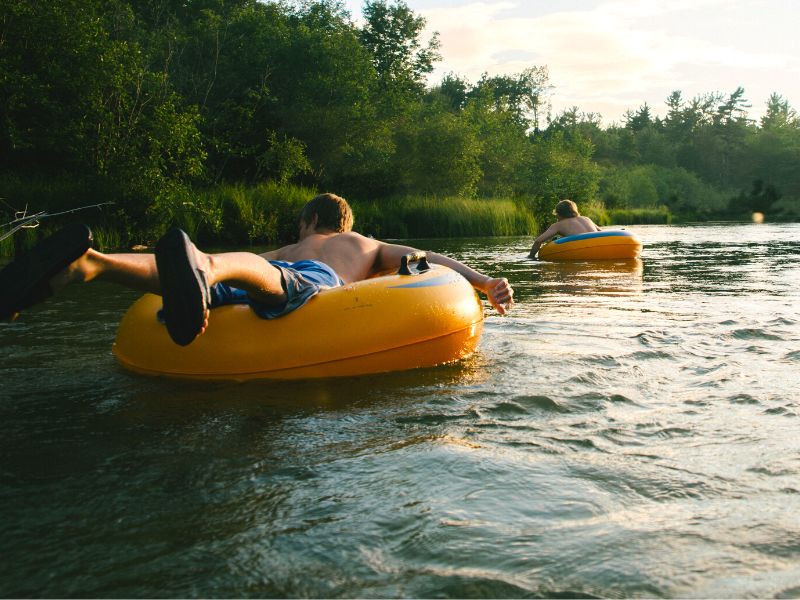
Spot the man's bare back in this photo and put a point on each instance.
(353, 256)
(564, 226)
(575, 226)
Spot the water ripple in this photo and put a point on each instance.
(626, 432)
(544, 403)
(755, 334)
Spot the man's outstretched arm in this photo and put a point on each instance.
(497, 289)
(551, 232)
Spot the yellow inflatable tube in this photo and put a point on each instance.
(598, 245)
(387, 323)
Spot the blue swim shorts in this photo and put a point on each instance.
(302, 280)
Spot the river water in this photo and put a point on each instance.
(630, 430)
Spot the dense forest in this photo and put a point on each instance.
(224, 115)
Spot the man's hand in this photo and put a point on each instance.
(500, 294)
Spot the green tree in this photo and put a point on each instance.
(640, 119)
(332, 106)
(391, 34)
(522, 96)
(562, 167)
(438, 153)
(453, 91)
(773, 153)
(80, 100)
(779, 114)
(504, 151)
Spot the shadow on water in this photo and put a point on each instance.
(165, 395)
(67, 342)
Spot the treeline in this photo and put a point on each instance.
(705, 159)
(182, 110)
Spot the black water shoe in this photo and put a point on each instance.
(26, 281)
(184, 288)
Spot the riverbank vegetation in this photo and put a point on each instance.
(224, 116)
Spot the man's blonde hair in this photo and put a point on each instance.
(566, 209)
(333, 213)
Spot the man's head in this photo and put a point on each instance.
(566, 209)
(332, 213)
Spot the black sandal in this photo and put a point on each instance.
(26, 281)
(184, 289)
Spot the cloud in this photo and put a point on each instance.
(617, 54)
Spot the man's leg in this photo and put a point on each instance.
(186, 275)
(249, 272)
(243, 270)
(182, 275)
(137, 271)
(178, 271)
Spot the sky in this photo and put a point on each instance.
(611, 56)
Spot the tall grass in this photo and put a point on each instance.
(596, 211)
(640, 216)
(426, 217)
(60, 196)
(267, 213)
(107, 238)
(264, 213)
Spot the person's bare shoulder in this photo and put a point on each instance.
(589, 223)
(565, 227)
(353, 255)
(351, 238)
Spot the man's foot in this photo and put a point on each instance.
(184, 287)
(26, 281)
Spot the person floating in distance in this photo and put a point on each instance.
(570, 222)
(327, 254)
